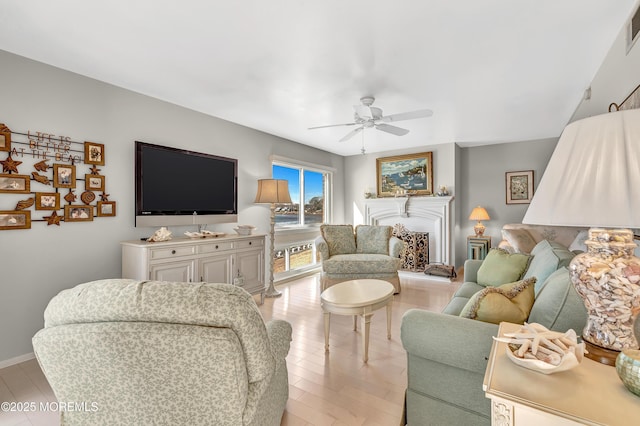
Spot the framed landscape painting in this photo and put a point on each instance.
(410, 174)
(519, 187)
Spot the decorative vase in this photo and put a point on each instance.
(607, 277)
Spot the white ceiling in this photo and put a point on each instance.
(491, 70)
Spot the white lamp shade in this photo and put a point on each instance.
(273, 191)
(593, 176)
(479, 213)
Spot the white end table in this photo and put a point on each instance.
(589, 394)
(357, 297)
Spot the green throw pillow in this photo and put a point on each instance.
(501, 267)
(548, 256)
(510, 302)
(339, 238)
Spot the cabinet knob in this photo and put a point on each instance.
(250, 242)
(173, 252)
(216, 246)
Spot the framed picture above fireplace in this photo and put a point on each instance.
(410, 174)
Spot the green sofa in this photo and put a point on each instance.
(447, 354)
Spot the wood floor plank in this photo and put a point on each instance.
(334, 388)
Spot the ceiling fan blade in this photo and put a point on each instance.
(352, 134)
(332, 125)
(392, 129)
(422, 113)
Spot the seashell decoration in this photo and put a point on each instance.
(607, 277)
(25, 204)
(162, 234)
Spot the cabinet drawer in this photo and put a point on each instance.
(258, 242)
(166, 253)
(214, 247)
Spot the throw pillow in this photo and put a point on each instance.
(339, 238)
(548, 256)
(373, 239)
(520, 239)
(501, 267)
(510, 302)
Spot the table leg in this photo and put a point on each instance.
(366, 325)
(327, 321)
(389, 320)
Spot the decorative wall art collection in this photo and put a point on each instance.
(56, 163)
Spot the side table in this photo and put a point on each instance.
(589, 394)
(478, 247)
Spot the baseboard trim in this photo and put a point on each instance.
(17, 360)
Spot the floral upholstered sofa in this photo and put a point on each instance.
(163, 353)
(370, 252)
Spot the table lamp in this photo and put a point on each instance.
(272, 191)
(479, 213)
(592, 181)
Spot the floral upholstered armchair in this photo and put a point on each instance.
(372, 252)
(163, 353)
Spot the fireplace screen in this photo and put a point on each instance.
(415, 255)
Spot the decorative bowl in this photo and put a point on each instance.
(244, 229)
(628, 368)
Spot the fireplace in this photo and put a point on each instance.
(420, 214)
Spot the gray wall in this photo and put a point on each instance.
(482, 182)
(36, 264)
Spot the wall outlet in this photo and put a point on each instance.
(239, 281)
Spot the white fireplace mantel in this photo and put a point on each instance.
(421, 214)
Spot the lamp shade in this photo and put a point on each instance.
(479, 213)
(273, 191)
(593, 175)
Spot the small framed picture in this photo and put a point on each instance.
(519, 187)
(106, 208)
(5, 138)
(94, 182)
(47, 201)
(17, 184)
(64, 176)
(78, 213)
(94, 153)
(20, 219)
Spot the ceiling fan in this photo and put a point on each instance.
(367, 117)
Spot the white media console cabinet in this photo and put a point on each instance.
(234, 259)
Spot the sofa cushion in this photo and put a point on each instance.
(373, 239)
(558, 306)
(468, 289)
(510, 302)
(501, 267)
(360, 263)
(520, 239)
(340, 238)
(547, 257)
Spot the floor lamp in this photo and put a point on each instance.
(272, 191)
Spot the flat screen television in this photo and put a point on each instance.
(180, 187)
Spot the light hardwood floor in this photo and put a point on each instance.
(334, 388)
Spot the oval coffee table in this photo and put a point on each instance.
(357, 297)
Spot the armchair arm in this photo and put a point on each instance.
(279, 333)
(448, 339)
(471, 267)
(395, 246)
(322, 247)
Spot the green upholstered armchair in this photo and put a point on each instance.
(164, 353)
(370, 252)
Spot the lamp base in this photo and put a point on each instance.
(272, 292)
(599, 354)
(479, 229)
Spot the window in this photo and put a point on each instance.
(297, 223)
(308, 188)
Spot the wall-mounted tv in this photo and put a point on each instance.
(180, 187)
